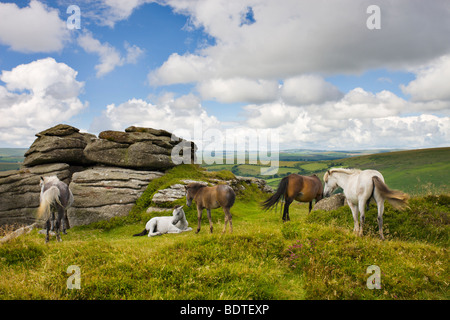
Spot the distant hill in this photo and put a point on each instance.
(415, 171)
(11, 158)
(318, 155)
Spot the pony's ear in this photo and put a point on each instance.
(42, 178)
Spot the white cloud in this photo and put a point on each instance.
(168, 113)
(109, 57)
(432, 81)
(133, 53)
(36, 96)
(308, 89)
(116, 10)
(302, 37)
(271, 115)
(35, 28)
(238, 90)
(360, 104)
(181, 69)
(359, 120)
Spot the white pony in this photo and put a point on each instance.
(55, 197)
(359, 187)
(160, 225)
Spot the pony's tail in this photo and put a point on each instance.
(48, 197)
(143, 233)
(398, 199)
(279, 194)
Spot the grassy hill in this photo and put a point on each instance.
(11, 158)
(417, 172)
(314, 256)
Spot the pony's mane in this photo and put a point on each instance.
(340, 170)
(50, 179)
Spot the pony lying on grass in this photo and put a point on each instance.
(160, 225)
(55, 196)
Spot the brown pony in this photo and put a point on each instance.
(211, 198)
(295, 187)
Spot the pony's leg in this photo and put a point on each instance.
(227, 219)
(210, 220)
(52, 221)
(58, 222)
(153, 230)
(362, 216)
(58, 236)
(199, 219)
(65, 223)
(48, 226)
(287, 203)
(354, 209)
(310, 207)
(380, 205)
(174, 229)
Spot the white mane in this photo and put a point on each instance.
(340, 170)
(50, 179)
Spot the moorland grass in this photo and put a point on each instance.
(314, 256)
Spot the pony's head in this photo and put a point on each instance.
(191, 191)
(45, 180)
(330, 183)
(178, 214)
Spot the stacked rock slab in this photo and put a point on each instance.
(101, 193)
(106, 174)
(136, 148)
(59, 144)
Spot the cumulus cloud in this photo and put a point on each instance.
(302, 37)
(275, 57)
(109, 57)
(359, 120)
(238, 90)
(36, 96)
(109, 12)
(167, 113)
(308, 89)
(35, 28)
(432, 81)
(181, 69)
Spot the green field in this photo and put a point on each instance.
(314, 256)
(11, 158)
(415, 171)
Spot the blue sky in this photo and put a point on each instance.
(314, 72)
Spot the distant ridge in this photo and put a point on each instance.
(11, 158)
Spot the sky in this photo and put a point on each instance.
(328, 75)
